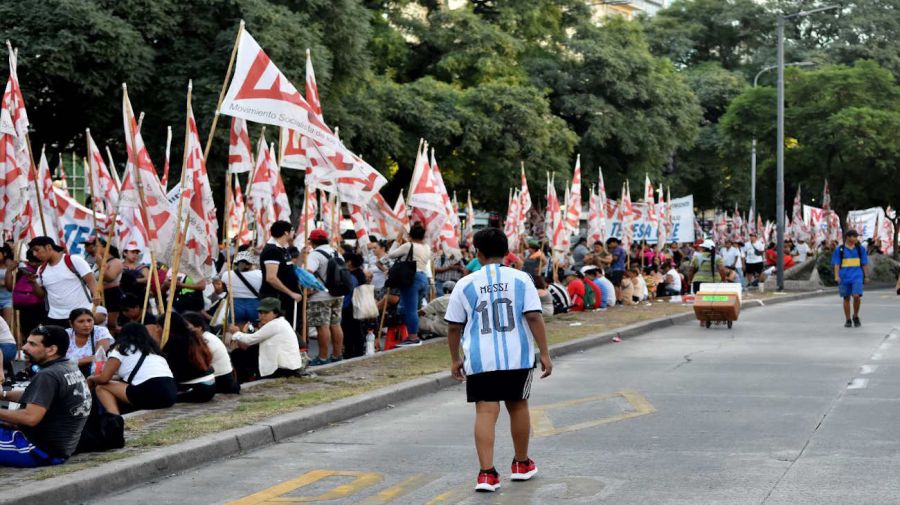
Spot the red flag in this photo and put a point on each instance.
(260, 92)
(105, 190)
(165, 177)
(650, 200)
(573, 206)
(626, 210)
(161, 225)
(240, 157)
(307, 220)
(239, 215)
(282, 205)
(201, 242)
(14, 155)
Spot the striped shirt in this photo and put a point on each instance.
(492, 304)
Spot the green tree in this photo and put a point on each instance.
(630, 109)
(728, 32)
(844, 121)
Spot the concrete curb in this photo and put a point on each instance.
(117, 476)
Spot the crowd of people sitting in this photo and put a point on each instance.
(91, 325)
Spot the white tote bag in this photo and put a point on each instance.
(364, 306)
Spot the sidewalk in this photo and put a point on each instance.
(164, 442)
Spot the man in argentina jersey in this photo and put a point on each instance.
(494, 315)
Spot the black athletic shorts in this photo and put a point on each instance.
(615, 277)
(499, 386)
(755, 268)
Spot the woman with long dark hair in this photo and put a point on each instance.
(85, 338)
(191, 362)
(226, 381)
(148, 381)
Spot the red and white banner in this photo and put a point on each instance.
(201, 241)
(15, 160)
(626, 212)
(359, 226)
(105, 190)
(239, 221)
(161, 223)
(799, 230)
(281, 203)
(401, 211)
(307, 220)
(165, 176)
(240, 157)
(573, 204)
(260, 92)
(76, 221)
(650, 200)
(595, 230)
(424, 192)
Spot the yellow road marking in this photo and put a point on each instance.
(275, 494)
(411, 484)
(542, 426)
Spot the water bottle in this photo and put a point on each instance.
(370, 343)
(99, 361)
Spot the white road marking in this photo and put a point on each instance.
(858, 383)
(885, 346)
(876, 356)
(867, 369)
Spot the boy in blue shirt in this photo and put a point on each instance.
(850, 262)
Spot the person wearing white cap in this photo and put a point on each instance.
(704, 268)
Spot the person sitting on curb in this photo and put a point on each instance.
(274, 342)
(575, 288)
(148, 382)
(190, 360)
(226, 382)
(85, 339)
(57, 404)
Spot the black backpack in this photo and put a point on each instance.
(337, 279)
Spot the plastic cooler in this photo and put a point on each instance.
(718, 302)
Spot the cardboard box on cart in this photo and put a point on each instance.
(718, 302)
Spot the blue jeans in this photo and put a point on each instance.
(245, 310)
(9, 353)
(410, 298)
(18, 451)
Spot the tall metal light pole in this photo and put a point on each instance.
(779, 185)
(753, 145)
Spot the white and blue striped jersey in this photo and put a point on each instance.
(492, 304)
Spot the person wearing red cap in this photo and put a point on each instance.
(324, 311)
(279, 280)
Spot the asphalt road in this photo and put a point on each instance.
(788, 407)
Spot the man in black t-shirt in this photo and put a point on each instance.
(279, 279)
(57, 403)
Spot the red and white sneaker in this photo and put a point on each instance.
(488, 482)
(523, 471)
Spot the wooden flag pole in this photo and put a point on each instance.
(215, 121)
(305, 218)
(17, 256)
(99, 288)
(90, 176)
(37, 185)
(140, 184)
(182, 234)
(176, 264)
